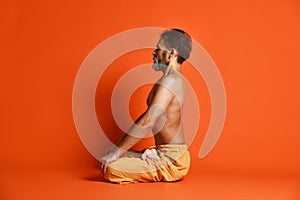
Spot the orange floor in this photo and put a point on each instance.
(31, 184)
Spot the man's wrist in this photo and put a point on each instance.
(118, 151)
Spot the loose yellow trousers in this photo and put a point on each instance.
(173, 165)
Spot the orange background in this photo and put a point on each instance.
(255, 45)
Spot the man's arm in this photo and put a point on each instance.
(145, 122)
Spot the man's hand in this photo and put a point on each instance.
(111, 156)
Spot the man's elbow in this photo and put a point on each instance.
(147, 123)
(151, 116)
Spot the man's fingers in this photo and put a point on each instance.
(101, 167)
(104, 168)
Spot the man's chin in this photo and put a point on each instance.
(158, 67)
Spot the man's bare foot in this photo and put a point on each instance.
(150, 154)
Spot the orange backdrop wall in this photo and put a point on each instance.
(255, 45)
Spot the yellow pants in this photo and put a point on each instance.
(173, 165)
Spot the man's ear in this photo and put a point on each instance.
(173, 51)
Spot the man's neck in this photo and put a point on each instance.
(174, 70)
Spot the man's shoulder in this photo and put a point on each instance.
(171, 80)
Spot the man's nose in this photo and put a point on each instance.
(154, 52)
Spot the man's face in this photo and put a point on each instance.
(160, 57)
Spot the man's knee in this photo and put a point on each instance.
(116, 176)
(109, 174)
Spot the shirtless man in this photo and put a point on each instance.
(169, 159)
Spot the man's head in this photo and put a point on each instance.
(174, 41)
